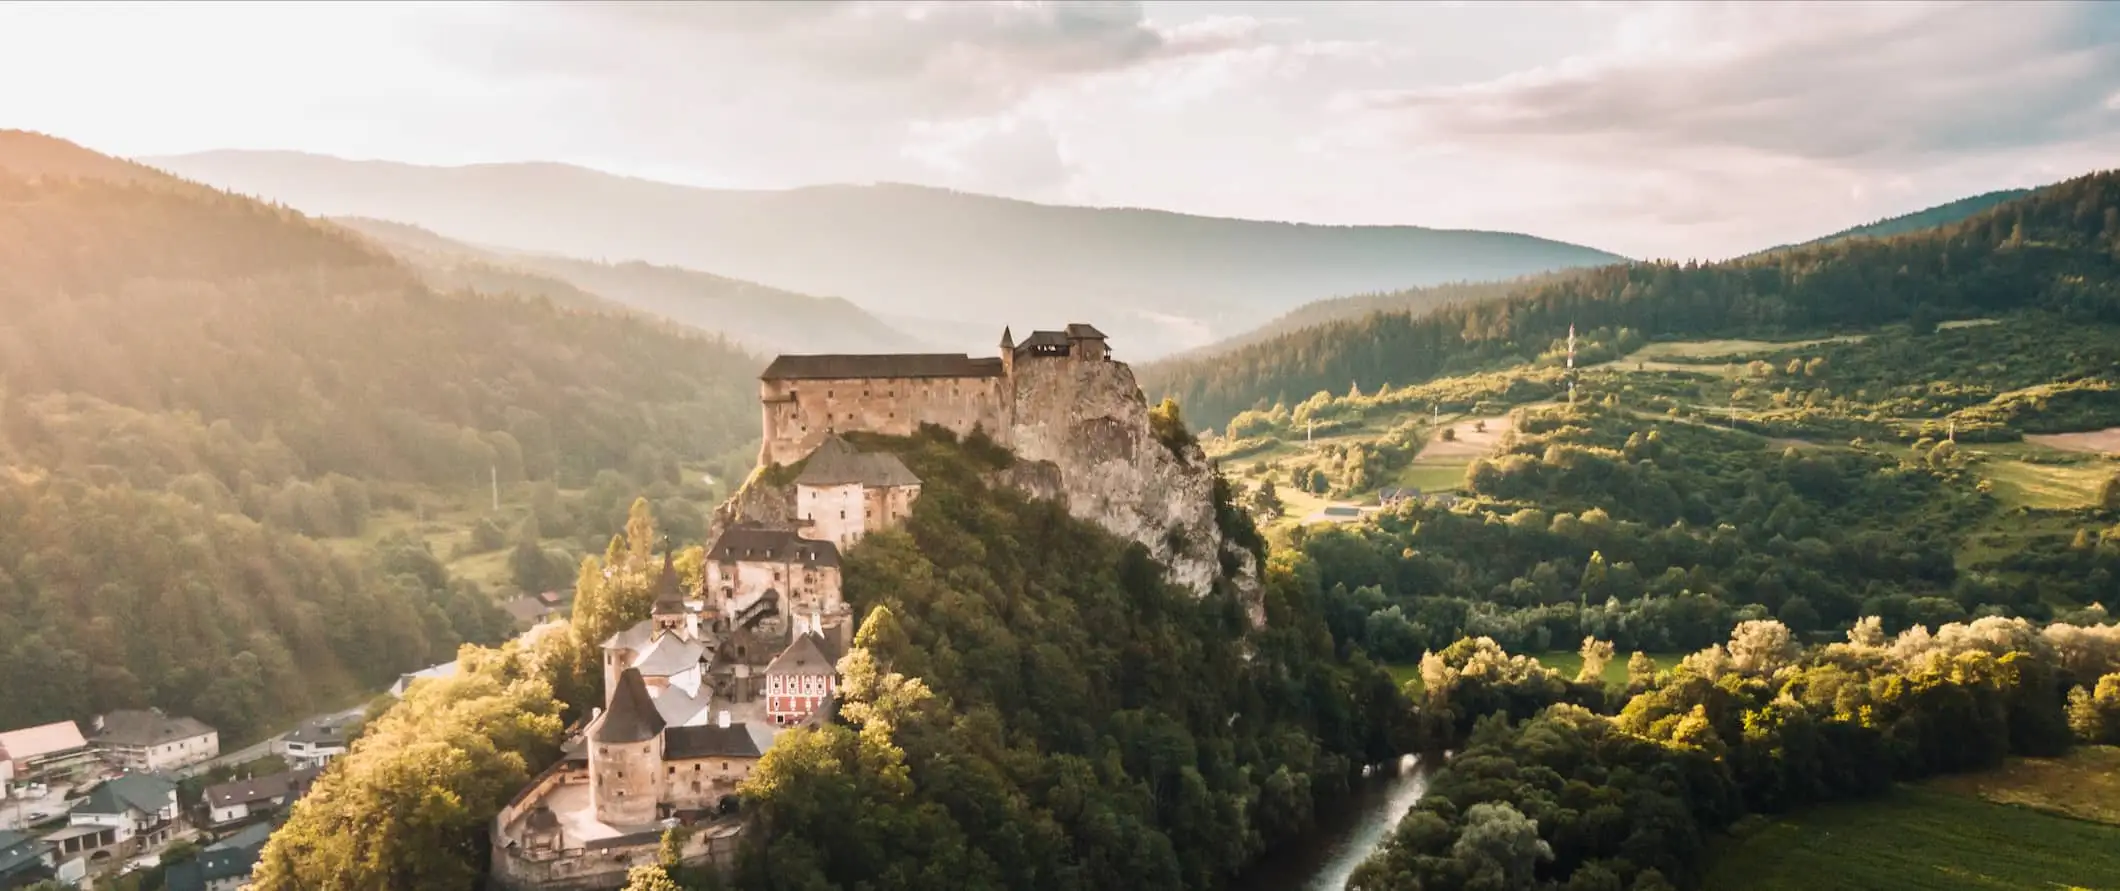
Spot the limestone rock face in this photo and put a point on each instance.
(1089, 421)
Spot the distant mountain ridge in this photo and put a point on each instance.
(1928, 218)
(766, 320)
(1157, 281)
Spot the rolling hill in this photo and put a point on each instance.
(767, 320)
(2057, 249)
(1930, 218)
(227, 431)
(1157, 281)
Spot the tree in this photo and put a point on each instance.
(1266, 500)
(1761, 646)
(640, 531)
(1449, 434)
(1641, 672)
(1500, 846)
(2109, 492)
(2094, 715)
(1596, 655)
(650, 878)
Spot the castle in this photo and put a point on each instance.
(695, 694)
(806, 398)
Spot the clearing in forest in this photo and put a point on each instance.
(2105, 441)
(2037, 476)
(1919, 838)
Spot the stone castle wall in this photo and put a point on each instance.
(625, 780)
(798, 414)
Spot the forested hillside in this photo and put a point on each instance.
(1940, 215)
(2057, 249)
(766, 320)
(1410, 300)
(205, 402)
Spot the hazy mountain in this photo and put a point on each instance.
(1354, 306)
(766, 319)
(1157, 281)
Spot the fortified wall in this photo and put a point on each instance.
(1058, 400)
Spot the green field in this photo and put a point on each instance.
(1919, 839)
(2052, 480)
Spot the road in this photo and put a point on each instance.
(261, 748)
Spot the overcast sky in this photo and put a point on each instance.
(1652, 130)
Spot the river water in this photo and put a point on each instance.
(1345, 838)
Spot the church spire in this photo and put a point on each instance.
(1008, 341)
(669, 599)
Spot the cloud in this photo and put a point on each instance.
(1017, 155)
(1722, 115)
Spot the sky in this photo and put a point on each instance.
(1652, 130)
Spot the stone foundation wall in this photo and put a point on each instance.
(799, 413)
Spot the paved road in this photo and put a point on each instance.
(261, 748)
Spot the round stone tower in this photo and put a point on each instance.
(625, 756)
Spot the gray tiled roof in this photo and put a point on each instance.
(809, 654)
(850, 366)
(712, 741)
(834, 462)
(130, 727)
(631, 716)
(144, 792)
(670, 655)
(289, 784)
(771, 545)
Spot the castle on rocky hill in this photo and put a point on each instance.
(1073, 415)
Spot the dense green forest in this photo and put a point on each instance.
(2056, 250)
(1056, 715)
(1557, 786)
(207, 405)
(1940, 215)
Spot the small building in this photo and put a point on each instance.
(405, 681)
(24, 859)
(83, 843)
(801, 679)
(54, 752)
(141, 807)
(150, 740)
(843, 494)
(224, 865)
(315, 743)
(231, 803)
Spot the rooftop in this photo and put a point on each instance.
(265, 788)
(847, 366)
(743, 542)
(714, 741)
(147, 793)
(835, 462)
(631, 716)
(809, 654)
(132, 727)
(1083, 330)
(36, 742)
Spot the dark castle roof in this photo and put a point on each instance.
(772, 545)
(710, 741)
(1078, 329)
(631, 717)
(809, 654)
(879, 365)
(834, 462)
(669, 601)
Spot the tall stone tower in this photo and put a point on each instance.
(625, 755)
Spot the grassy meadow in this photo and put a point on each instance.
(2036, 823)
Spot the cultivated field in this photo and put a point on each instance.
(2105, 441)
(1947, 835)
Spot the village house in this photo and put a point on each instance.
(141, 808)
(24, 859)
(843, 494)
(150, 740)
(314, 744)
(224, 865)
(801, 679)
(405, 681)
(48, 753)
(231, 803)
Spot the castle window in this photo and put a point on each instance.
(673, 770)
(827, 394)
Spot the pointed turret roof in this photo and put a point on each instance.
(1008, 340)
(669, 600)
(631, 716)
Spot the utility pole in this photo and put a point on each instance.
(1310, 427)
(493, 473)
(1952, 435)
(1571, 363)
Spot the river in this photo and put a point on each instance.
(1345, 838)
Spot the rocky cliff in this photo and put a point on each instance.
(1088, 421)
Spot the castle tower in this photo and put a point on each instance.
(625, 756)
(1008, 353)
(669, 611)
